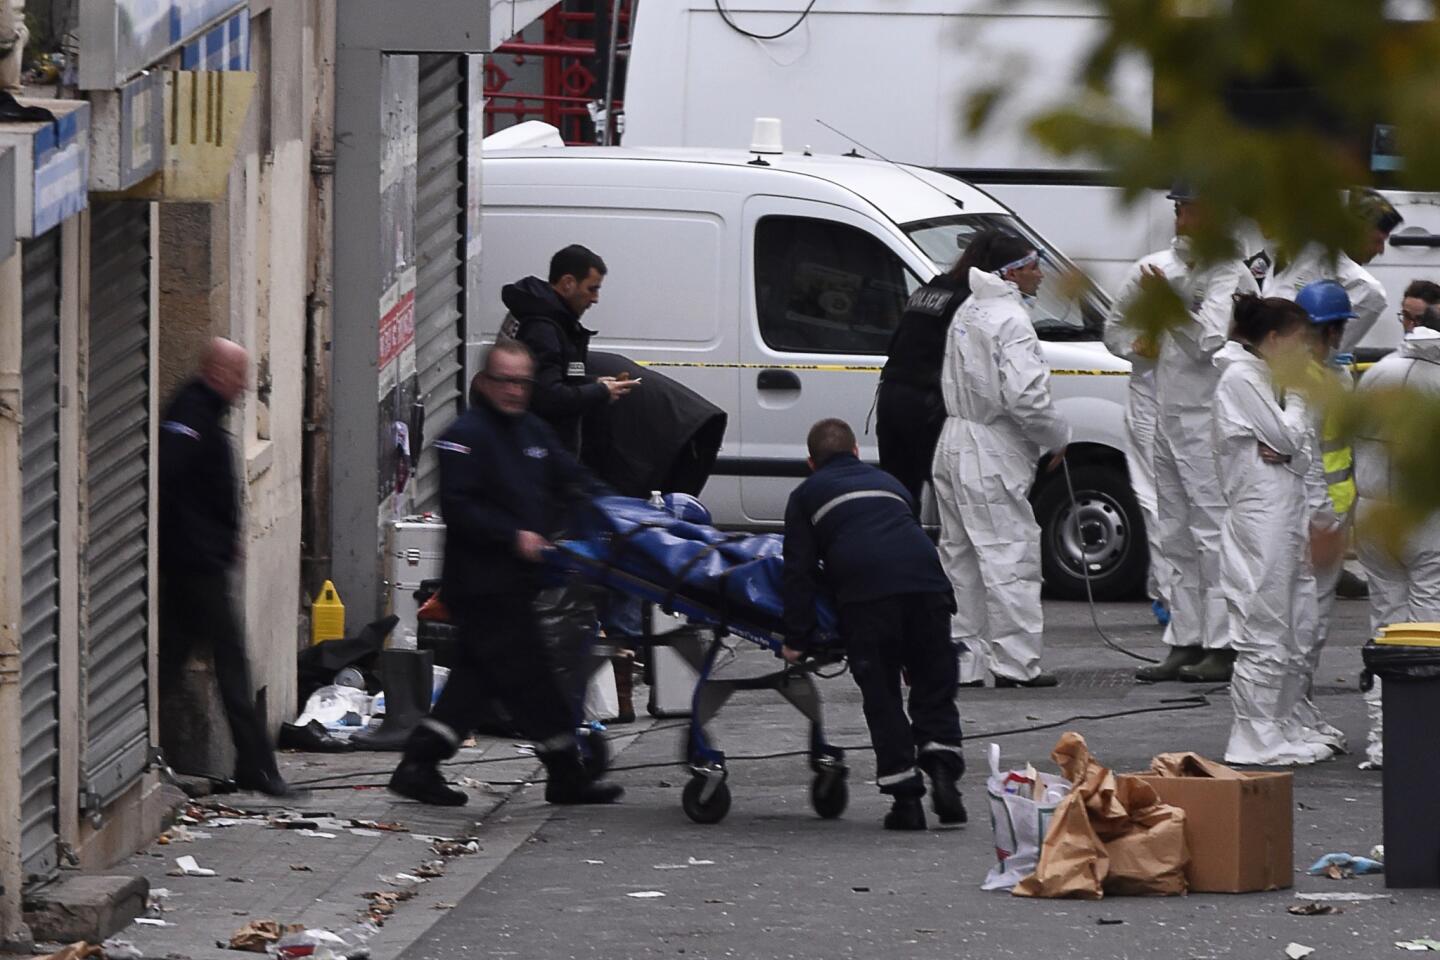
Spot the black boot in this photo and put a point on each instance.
(408, 676)
(268, 782)
(1169, 669)
(567, 783)
(906, 813)
(418, 776)
(1215, 668)
(944, 768)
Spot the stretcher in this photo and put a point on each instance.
(728, 584)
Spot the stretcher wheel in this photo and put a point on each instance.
(711, 811)
(829, 795)
(595, 754)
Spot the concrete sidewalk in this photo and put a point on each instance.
(320, 877)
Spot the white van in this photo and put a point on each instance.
(771, 283)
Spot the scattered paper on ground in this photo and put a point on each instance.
(188, 867)
(1343, 897)
(1296, 951)
(257, 935)
(1313, 909)
(645, 894)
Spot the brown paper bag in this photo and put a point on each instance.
(1191, 765)
(258, 935)
(1110, 835)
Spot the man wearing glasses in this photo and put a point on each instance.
(505, 482)
(1420, 304)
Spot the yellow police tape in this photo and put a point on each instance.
(836, 367)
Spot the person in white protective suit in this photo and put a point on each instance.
(1404, 588)
(1330, 487)
(1263, 447)
(1189, 506)
(1000, 422)
(1367, 295)
(1142, 414)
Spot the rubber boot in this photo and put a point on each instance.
(566, 782)
(906, 813)
(1169, 668)
(944, 768)
(1217, 667)
(408, 676)
(418, 776)
(624, 687)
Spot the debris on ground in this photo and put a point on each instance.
(1312, 909)
(78, 950)
(1343, 866)
(317, 945)
(187, 866)
(1107, 922)
(646, 894)
(181, 834)
(389, 826)
(1298, 951)
(1344, 897)
(258, 935)
(121, 950)
(382, 904)
(430, 869)
(302, 868)
(456, 848)
(1419, 946)
(402, 880)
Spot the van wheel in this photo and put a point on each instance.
(1109, 539)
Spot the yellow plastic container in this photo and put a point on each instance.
(327, 615)
(1410, 634)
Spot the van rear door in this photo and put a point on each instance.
(822, 287)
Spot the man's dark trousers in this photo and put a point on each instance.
(196, 609)
(503, 657)
(909, 632)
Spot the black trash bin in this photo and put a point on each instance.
(1407, 662)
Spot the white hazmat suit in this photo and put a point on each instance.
(1142, 416)
(1405, 588)
(1263, 548)
(1367, 295)
(1000, 420)
(1189, 505)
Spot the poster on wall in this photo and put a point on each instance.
(395, 311)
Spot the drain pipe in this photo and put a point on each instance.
(316, 449)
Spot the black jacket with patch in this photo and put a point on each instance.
(500, 475)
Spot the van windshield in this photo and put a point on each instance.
(1056, 315)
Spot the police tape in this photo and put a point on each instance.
(836, 367)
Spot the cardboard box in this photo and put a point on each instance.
(1240, 832)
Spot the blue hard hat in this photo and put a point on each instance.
(1325, 301)
(682, 506)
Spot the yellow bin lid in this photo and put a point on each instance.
(1410, 635)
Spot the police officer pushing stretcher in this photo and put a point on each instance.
(505, 481)
(851, 531)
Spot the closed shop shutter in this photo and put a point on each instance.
(40, 555)
(440, 251)
(117, 437)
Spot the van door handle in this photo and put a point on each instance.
(1415, 240)
(777, 380)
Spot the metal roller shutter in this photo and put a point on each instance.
(440, 250)
(40, 556)
(117, 436)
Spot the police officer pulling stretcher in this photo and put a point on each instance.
(851, 531)
(505, 481)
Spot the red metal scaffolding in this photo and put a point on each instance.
(571, 77)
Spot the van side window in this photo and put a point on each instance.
(826, 287)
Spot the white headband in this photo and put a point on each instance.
(1032, 257)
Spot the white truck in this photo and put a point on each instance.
(771, 282)
(894, 75)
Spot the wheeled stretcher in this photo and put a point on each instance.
(729, 584)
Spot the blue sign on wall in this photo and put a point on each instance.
(62, 169)
(227, 47)
(119, 38)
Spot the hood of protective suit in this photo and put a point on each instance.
(1232, 353)
(987, 286)
(1422, 343)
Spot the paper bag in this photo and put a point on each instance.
(1108, 836)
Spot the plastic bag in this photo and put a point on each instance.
(1019, 819)
(337, 708)
(602, 702)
